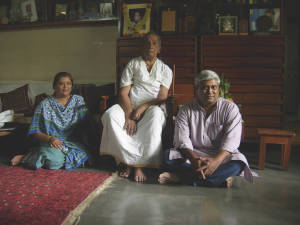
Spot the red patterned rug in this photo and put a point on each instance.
(46, 196)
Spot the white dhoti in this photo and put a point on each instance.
(144, 148)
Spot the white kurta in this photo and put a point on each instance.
(144, 148)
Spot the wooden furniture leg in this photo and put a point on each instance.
(262, 153)
(285, 155)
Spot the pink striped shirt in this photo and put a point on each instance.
(207, 135)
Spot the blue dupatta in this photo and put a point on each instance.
(56, 120)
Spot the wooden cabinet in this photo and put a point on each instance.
(180, 51)
(254, 67)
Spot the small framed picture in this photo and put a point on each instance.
(168, 20)
(228, 25)
(264, 20)
(91, 10)
(136, 19)
(61, 11)
(29, 12)
(106, 10)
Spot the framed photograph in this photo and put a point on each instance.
(264, 20)
(228, 25)
(106, 10)
(29, 12)
(61, 11)
(168, 20)
(91, 10)
(136, 19)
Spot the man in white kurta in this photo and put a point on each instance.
(132, 129)
(206, 140)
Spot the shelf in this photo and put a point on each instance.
(40, 25)
(28, 14)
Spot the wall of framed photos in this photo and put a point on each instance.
(225, 17)
(203, 17)
(16, 14)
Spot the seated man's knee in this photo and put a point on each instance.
(155, 113)
(113, 112)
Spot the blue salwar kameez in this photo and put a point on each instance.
(58, 121)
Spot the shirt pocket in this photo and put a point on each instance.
(215, 131)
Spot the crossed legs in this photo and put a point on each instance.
(180, 171)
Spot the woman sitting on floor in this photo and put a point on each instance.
(53, 123)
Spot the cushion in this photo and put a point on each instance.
(17, 100)
(38, 99)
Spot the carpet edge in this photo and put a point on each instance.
(75, 214)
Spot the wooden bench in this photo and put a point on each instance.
(275, 136)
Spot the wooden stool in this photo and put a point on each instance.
(275, 136)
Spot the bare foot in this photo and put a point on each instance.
(229, 181)
(139, 175)
(16, 160)
(167, 177)
(124, 170)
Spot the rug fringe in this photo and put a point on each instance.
(74, 215)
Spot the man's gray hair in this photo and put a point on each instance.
(153, 33)
(206, 75)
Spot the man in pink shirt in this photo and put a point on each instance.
(206, 140)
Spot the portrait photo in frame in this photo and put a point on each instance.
(136, 19)
(264, 20)
(228, 25)
(107, 9)
(29, 11)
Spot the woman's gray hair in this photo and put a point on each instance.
(206, 75)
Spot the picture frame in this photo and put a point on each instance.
(61, 11)
(264, 20)
(136, 19)
(168, 20)
(228, 25)
(29, 12)
(106, 10)
(90, 10)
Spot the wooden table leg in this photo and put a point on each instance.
(262, 154)
(285, 155)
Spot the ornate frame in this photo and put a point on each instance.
(142, 25)
(228, 25)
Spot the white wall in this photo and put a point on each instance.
(87, 52)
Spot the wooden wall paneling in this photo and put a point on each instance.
(251, 41)
(226, 61)
(255, 67)
(244, 51)
(253, 74)
(264, 110)
(181, 51)
(184, 92)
